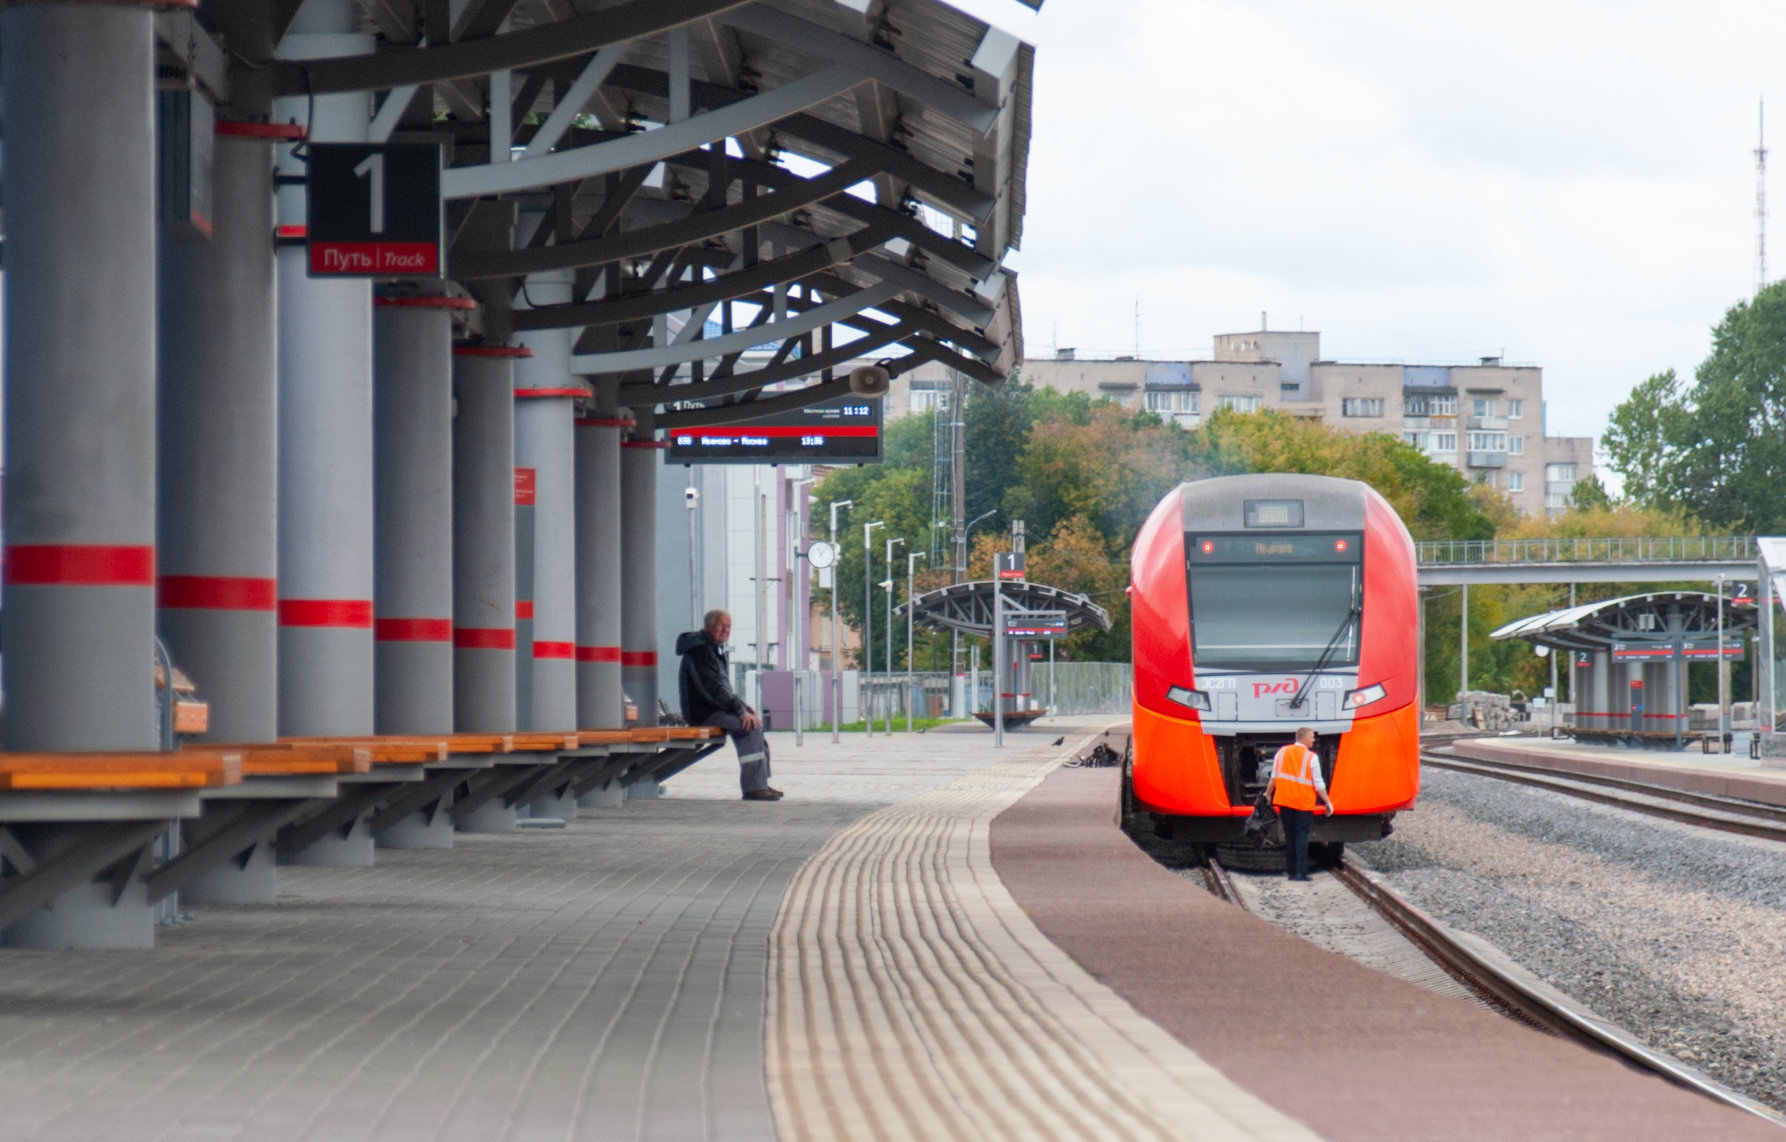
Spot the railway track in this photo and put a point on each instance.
(1508, 988)
(1705, 810)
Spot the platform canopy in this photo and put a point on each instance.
(746, 194)
(967, 607)
(1660, 616)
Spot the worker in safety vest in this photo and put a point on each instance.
(1295, 787)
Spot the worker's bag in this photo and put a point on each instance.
(1263, 827)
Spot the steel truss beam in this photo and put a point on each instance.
(468, 58)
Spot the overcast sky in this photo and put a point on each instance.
(1567, 181)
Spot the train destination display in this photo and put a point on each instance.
(843, 430)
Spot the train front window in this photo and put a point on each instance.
(1274, 603)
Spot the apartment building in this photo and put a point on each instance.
(1485, 419)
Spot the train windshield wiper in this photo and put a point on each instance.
(1352, 616)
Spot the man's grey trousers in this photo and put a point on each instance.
(753, 751)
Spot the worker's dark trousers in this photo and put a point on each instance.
(1296, 825)
(753, 751)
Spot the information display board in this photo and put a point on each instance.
(1036, 624)
(374, 210)
(843, 430)
(1691, 648)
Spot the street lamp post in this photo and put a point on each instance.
(957, 574)
(1723, 709)
(891, 544)
(836, 643)
(911, 566)
(868, 614)
(798, 616)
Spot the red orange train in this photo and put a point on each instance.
(1262, 603)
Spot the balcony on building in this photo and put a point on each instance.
(1486, 459)
(1489, 423)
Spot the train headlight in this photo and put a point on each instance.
(1195, 699)
(1364, 697)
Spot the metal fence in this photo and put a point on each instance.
(1064, 688)
(1636, 549)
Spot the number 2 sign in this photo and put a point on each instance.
(374, 210)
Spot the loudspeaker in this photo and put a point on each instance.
(870, 381)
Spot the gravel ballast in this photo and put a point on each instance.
(1676, 933)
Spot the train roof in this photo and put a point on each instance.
(1328, 502)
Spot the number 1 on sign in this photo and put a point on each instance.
(373, 165)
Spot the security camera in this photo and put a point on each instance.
(691, 496)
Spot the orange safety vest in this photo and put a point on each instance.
(1295, 788)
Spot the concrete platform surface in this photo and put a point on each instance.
(1724, 775)
(602, 981)
(1352, 1052)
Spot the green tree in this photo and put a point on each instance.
(1717, 449)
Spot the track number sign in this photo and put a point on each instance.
(374, 210)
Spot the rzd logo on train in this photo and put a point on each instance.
(1287, 686)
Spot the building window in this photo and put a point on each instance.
(923, 400)
(1556, 501)
(1414, 405)
(1516, 445)
(1444, 442)
(1168, 401)
(1442, 406)
(1559, 473)
(1486, 479)
(1483, 406)
(1361, 406)
(1488, 442)
(1417, 439)
(1516, 481)
(1234, 403)
(1515, 409)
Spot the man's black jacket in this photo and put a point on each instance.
(706, 688)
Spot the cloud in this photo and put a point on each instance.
(1567, 181)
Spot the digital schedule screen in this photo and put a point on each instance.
(843, 430)
(1331, 548)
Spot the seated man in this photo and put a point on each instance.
(707, 700)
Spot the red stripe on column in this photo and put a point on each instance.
(281, 132)
(564, 650)
(483, 638)
(354, 614)
(218, 593)
(526, 486)
(598, 654)
(523, 608)
(80, 565)
(605, 422)
(524, 394)
(413, 630)
(638, 658)
(425, 302)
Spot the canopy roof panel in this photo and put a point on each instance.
(702, 167)
(1657, 616)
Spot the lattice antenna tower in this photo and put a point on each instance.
(1761, 199)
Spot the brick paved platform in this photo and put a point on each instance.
(1353, 1052)
(602, 981)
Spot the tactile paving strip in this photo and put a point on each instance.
(909, 996)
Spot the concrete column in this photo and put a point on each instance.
(599, 704)
(326, 682)
(545, 443)
(412, 407)
(79, 619)
(639, 463)
(218, 411)
(484, 539)
(1601, 688)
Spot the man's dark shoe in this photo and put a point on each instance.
(762, 795)
(778, 793)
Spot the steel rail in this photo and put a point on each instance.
(1705, 810)
(1477, 967)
